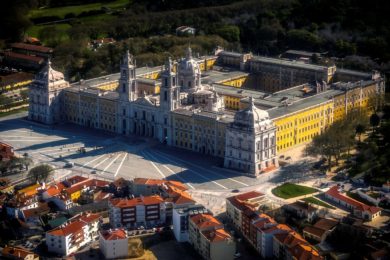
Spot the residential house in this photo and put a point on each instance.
(114, 244)
(235, 205)
(302, 209)
(180, 220)
(143, 210)
(357, 208)
(291, 245)
(320, 230)
(210, 239)
(12, 252)
(33, 216)
(6, 151)
(185, 30)
(77, 232)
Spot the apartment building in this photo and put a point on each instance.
(209, 238)
(180, 220)
(114, 244)
(75, 233)
(235, 206)
(140, 211)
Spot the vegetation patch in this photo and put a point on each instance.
(318, 202)
(290, 190)
(75, 10)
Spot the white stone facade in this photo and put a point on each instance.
(251, 142)
(45, 96)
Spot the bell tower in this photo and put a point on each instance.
(127, 83)
(170, 91)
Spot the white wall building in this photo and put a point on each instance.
(140, 211)
(180, 218)
(45, 96)
(114, 243)
(72, 235)
(250, 141)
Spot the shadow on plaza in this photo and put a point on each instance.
(191, 166)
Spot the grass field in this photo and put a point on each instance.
(76, 9)
(62, 29)
(318, 202)
(290, 190)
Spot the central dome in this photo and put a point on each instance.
(251, 116)
(189, 66)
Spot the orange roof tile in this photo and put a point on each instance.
(17, 252)
(114, 234)
(42, 208)
(56, 189)
(143, 200)
(242, 201)
(334, 192)
(74, 225)
(216, 235)
(32, 47)
(205, 221)
(304, 252)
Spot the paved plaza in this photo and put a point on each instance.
(113, 156)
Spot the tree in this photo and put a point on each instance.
(359, 130)
(40, 173)
(5, 101)
(374, 122)
(24, 94)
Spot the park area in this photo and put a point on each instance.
(291, 190)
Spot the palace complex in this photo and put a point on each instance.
(243, 108)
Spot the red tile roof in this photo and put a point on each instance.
(242, 201)
(304, 252)
(31, 47)
(56, 189)
(334, 192)
(74, 225)
(86, 183)
(143, 200)
(205, 221)
(14, 55)
(42, 208)
(326, 224)
(216, 235)
(314, 231)
(17, 253)
(114, 234)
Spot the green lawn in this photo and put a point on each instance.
(62, 29)
(76, 9)
(290, 190)
(318, 202)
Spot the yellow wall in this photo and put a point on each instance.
(300, 127)
(234, 82)
(232, 102)
(16, 85)
(75, 195)
(112, 86)
(357, 98)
